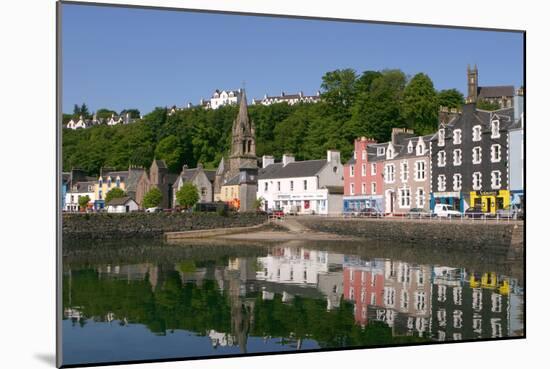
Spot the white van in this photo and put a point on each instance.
(446, 211)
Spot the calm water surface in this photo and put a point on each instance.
(152, 301)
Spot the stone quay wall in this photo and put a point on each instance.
(467, 235)
(147, 225)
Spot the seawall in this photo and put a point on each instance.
(505, 238)
(145, 225)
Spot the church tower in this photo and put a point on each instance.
(472, 84)
(243, 144)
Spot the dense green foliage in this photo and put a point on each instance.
(187, 195)
(486, 105)
(353, 105)
(152, 198)
(83, 201)
(114, 194)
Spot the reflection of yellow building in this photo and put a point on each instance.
(492, 282)
(490, 201)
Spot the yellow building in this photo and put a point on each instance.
(490, 201)
(491, 281)
(106, 182)
(230, 192)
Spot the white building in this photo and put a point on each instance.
(221, 98)
(303, 187)
(78, 190)
(122, 205)
(290, 99)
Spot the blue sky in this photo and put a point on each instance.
(135, 58)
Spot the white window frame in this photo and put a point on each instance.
(420, 197)
(364, 154)
(457, 182)
(495, 133)
(404, 171)
(420, 148)
(441, 137)
(457, 136)
(496, 153)
(405, 197)
(410, 147)
(363, 170)
(380, 151)
(441, 158)
(441, 185)
(457, 157)
(479, 157)
(496, 179)
(373, 188)
(476, 133)
(420, 170)
(476, 177)
(389, 176)
(373, 169)
(363, 188)
(352, 170)
(352, 188)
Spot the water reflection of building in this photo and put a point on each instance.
(302, 267)
(469, 307)
(130, 272)
(364, 285)
(406, 302)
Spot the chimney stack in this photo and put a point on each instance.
(287, 158)
(267, 160)
(333, 156)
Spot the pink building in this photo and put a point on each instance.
(364, 286)
(363, 185)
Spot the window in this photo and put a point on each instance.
(457, 182)
(351, 171)
(390, 173)
(305, 184)
(100, 182)
(351, 189)
(420, 301)
(203, 191)
(389, 296)
(495, 129)
(118, 182)
(457, 137)
(441, 159)
(266, 186)
(355, 154)
(380, 151)
(476, 155)
(420, 170)
(404, 299)
(420, 148)
(476, 181)
(390, 153)
(495, 153)
(373, 188)
(420, 198)
(457, 157)
(291, 185)
(278, 186)
(496, 180)
(109, 182)
(373, 169)
(410, 147)
(405, 197)
(364, 170)
(364, 155)
(441, 182)
(404, 171)
(441, 137)
(363, 188)
(476, 133)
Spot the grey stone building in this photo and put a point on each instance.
(202, 179)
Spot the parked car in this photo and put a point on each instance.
(155, 209)
(370, 213)
(419, 213)
(278, 214)
(446, 211)
(510, 212)
(474, 212)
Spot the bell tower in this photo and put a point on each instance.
(472, 84)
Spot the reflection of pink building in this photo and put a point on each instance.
(364, 285)
(363, 186)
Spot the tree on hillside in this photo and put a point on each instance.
(152, 198)
(420, 104)
(114, 193)
(487, 105)
(376, 113)
(83, 202)
(134, 113)
(188, 195)
(364, 82)
(338, 91)
(104, 113)
(168, 149)
(451, 98)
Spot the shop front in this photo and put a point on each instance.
(490, 201)
(99, 204)
(456, 199)
(357, 203)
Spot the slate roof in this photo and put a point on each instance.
(337, 190)
(134, 175)
(119, 201)
(495, 91)
(113, 174)
(82, 187)
(306, 168)
(232, 182)
(161, 163)
(211, 175)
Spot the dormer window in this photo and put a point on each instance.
(389, 154)
(364, 154)
(118, 181)
(441, 137)
(380, 151)
(476, 133)
(410, 147)
(109, 182)
(420, 148)
(457, 137)
(495, 129)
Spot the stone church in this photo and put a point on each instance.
(241, 168)
(501, 95)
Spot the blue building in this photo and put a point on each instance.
(516, 158)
